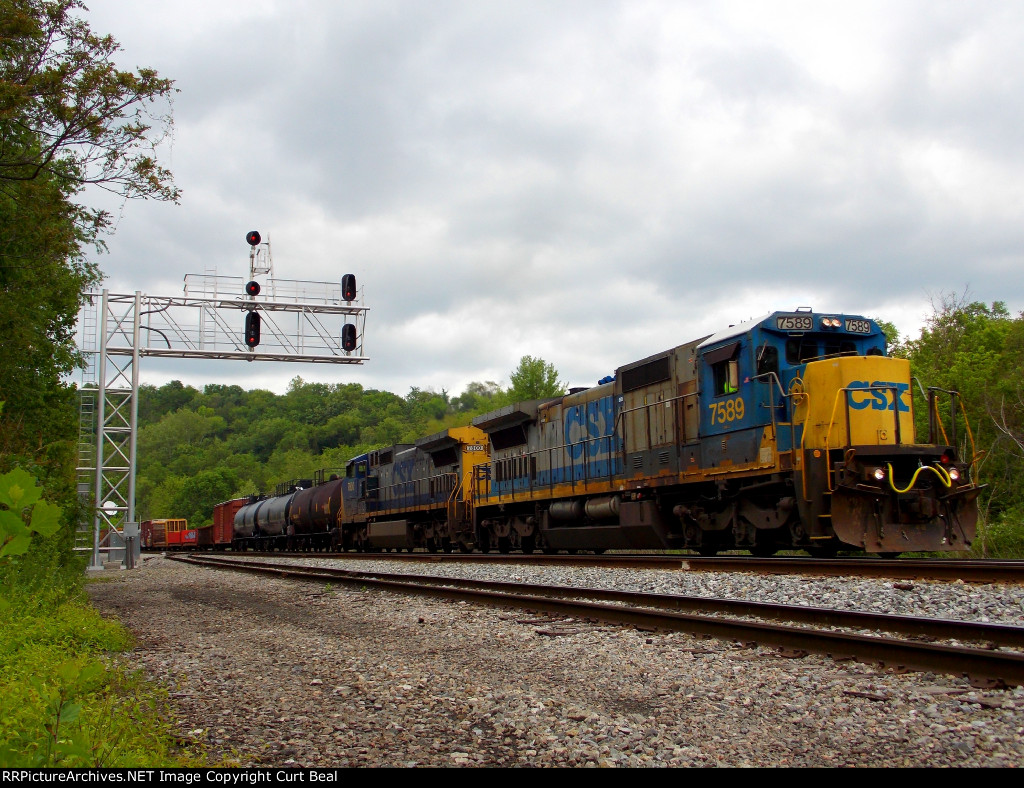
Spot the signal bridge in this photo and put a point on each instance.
(220, 318)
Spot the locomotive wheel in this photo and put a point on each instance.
(465, 547)
(707, 552)
(529, 544)
(763, 550)
(504, 545)
(431, 545)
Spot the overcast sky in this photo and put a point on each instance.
(588, 182)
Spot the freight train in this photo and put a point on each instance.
(793, 431)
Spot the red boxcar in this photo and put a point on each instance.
(219, 534)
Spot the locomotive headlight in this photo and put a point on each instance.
(954, 474)
(879, 474)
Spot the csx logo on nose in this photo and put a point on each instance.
(878, 395)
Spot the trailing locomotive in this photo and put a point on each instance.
(792, 431)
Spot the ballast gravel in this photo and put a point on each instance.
(279, 672)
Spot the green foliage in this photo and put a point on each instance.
(1003, 537)
(22, 513)
(68, 118)
(198, 495)
(978, 350)
(534, 378)
(61, 702)
(66, 112)
(965, 348)
(892, 334)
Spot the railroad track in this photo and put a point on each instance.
(996, 660)
(970, 571)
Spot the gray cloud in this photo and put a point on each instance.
(589, 182)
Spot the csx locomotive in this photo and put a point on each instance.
(793, 431)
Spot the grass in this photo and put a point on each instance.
(67, 699)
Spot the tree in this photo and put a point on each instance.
(68, 119)
(478, 397)
(974, 349)
(534, 378)
(68, 113)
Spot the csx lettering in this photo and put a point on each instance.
(728, 410)
(877, 395)
(585, 424)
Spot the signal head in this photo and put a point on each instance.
(348, 287)
(348, 337)
(253, 238)
(252, 288)
(252, 329)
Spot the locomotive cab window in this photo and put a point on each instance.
(726, 376)
(725, 368)
(799, 351)
(768, 360)
(840, 348)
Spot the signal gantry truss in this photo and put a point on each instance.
(300, 321)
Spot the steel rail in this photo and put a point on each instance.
(973, 571)
(985, 667)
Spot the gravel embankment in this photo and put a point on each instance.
(271, 672)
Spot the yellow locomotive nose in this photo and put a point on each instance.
(863, 474)
(856, 401)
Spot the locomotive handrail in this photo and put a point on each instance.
(933, 420)
(400, 500)
(549, 450)
(773, 376)
(647, 406)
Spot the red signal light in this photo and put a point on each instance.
(252, 329)
(348, 337)
(348, 287)
(252, 238)
(252, 288)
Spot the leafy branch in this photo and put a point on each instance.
(23, 513)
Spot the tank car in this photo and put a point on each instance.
(792, 431)
(314, 514)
